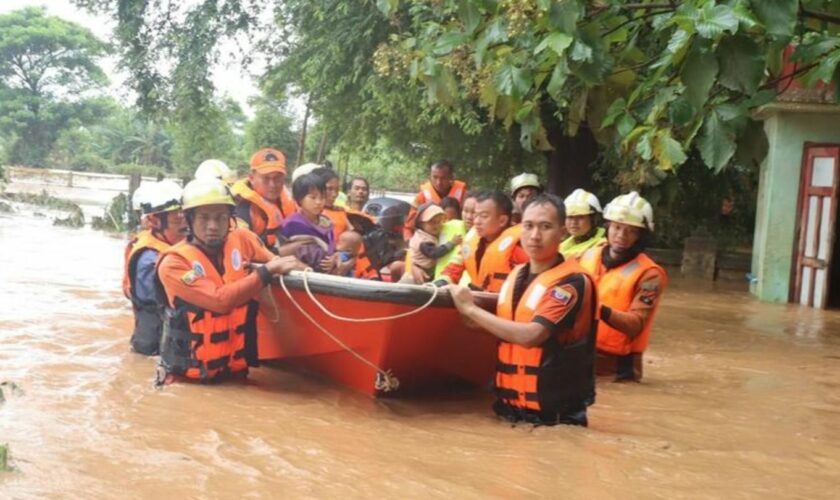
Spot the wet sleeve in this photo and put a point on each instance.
(560, 304)
(180, 280)
(144, 282)
(429, 249)
(648, 293)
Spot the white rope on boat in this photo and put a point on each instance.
(385, 380)
(363, 320)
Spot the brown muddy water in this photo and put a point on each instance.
(741, 400)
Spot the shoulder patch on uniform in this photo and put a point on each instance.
(189, 277)
(236, 259)
(563, 294)
(198, 268)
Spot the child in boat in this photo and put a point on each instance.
(308, 234)
(423, 248)
(348, 247)
(451, 207)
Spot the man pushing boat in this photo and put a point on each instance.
(545, 319)
(210, 281)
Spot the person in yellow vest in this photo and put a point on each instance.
(262, 200)
(211, 281)
(494, 252)
(441, 184)
(523, 188)
(545, 321)
(160, 204)
(630, 286)
(582, 212)
(215, 169)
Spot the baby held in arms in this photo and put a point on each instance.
(348, 247)
(308, 234)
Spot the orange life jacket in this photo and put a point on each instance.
(148, 317)
(266, 218)
(199, 344)
(428, 194)
(554, 377)
(145, 239)
(338, 216)
(616, 289)
(457, 191)
(364, 268)
(495, 265)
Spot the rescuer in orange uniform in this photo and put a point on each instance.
(545, 319)
(263, 201)
(489, 257)
(441, 184)
(161, 209)
(630, 285)
(210, 281)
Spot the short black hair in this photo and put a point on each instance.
(500, 199)
(325, 173)
(442, 164)
(472, 194)
(450, 202)
(550, 200)
(306, 183)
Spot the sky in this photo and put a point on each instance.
(228, 77)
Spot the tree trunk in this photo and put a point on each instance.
(302, 142)
(569, 161)
(322, 148)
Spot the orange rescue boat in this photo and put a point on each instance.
(377, 338)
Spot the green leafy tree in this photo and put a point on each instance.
(272, 127)
(47, 67)
(650, 80)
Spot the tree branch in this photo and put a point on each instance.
(822, 16)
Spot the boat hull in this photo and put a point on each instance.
(426, 350)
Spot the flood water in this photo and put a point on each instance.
(740, 400)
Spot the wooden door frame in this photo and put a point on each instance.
(798, 242)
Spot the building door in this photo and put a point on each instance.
(817, 225)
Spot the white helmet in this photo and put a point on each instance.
(201, 192)
(141, 195)
(215, 169)
(524, 180)
(304, 169)
(630, 209)
(581, 202)
(163, 196)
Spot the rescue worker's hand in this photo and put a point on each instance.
(282, 265)
(457, 240)
(462, 297)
